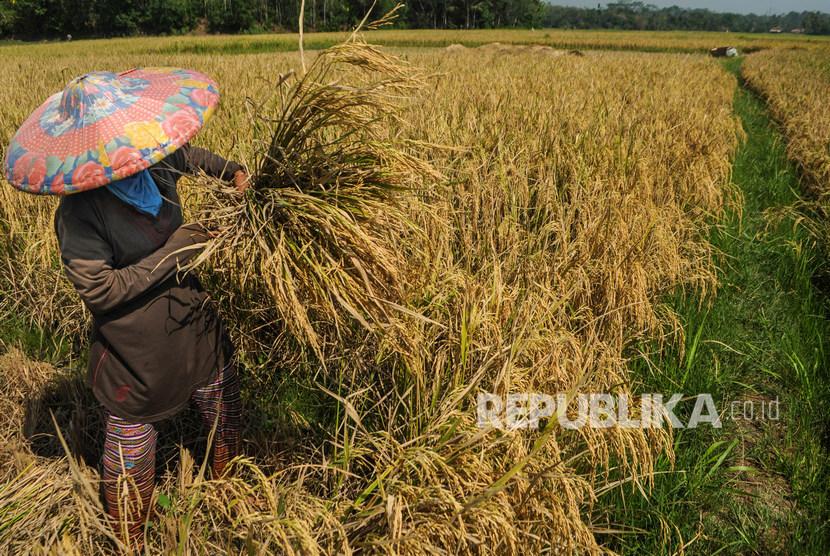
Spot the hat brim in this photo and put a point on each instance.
(165, 109)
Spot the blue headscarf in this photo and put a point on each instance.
(139, 191)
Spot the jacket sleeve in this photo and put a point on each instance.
(197, 158)
(88, 263)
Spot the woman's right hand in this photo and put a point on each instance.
(241, 180)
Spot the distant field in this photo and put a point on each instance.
(673, 41)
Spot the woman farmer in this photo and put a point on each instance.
(115, 145)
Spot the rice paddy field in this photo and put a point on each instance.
(619, 219)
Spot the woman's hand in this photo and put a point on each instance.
(197, 232)
(241, 180)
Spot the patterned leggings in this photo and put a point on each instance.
(130, 450)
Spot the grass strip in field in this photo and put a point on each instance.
(754, 486)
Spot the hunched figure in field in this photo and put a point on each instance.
(115, 146)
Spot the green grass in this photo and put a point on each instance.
(33, 341)
(752, 487)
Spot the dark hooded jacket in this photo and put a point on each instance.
(156, 335)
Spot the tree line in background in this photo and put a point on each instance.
(642, 16)
(28, 19)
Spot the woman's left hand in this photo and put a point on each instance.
(241, 180)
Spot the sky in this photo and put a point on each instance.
(736, 6)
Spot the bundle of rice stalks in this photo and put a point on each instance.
(314, 243)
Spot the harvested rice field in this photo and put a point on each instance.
(437, 243)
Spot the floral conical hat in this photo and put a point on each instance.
(105, 126)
